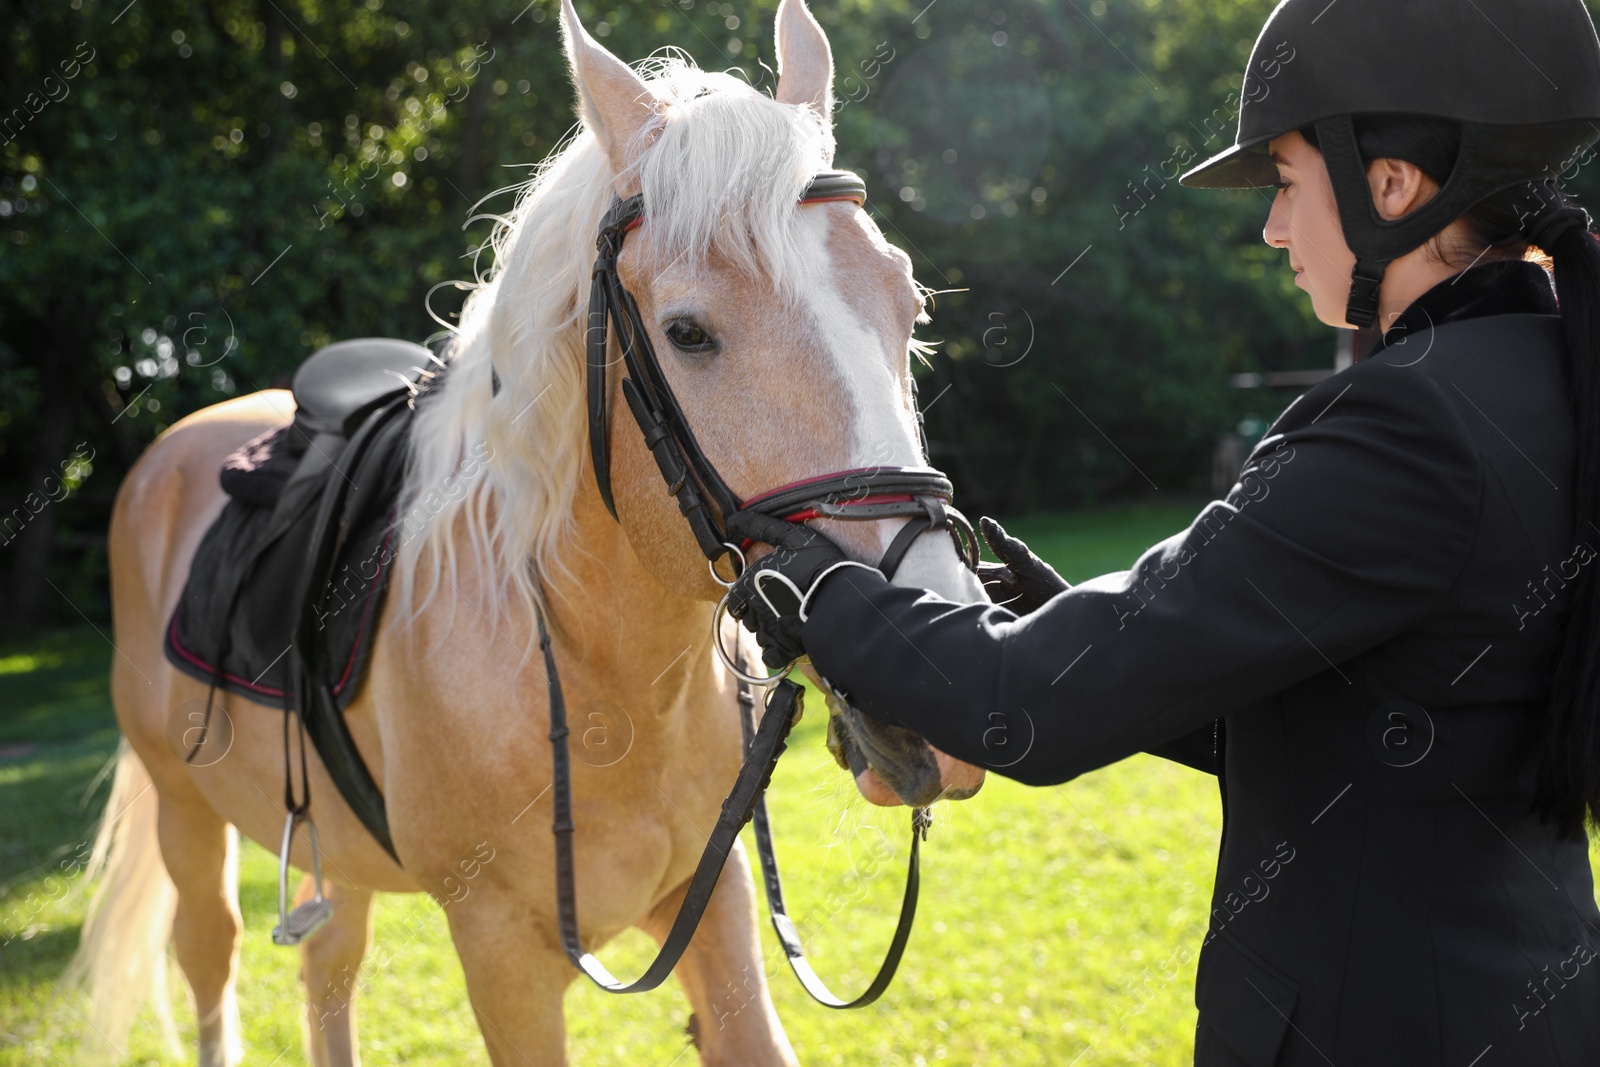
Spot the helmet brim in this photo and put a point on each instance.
(1243, 166)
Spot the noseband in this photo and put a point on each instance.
(872, 493)
(921, 494)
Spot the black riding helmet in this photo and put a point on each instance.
(1521, 77)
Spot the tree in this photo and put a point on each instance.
(194, 197)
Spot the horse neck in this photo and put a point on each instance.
(609, 613)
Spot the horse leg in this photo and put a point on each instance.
(201, 851)
(515, 978)
(734, 1022)
(330, 961)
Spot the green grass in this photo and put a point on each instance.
(1049, 918)
(1083, 544)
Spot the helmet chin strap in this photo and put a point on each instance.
(1377, 241)
(1366, 283)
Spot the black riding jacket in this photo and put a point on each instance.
(1359, 641)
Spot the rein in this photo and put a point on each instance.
(764, 743)
(922, 494)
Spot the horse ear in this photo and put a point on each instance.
(614, 101)
(805, 62)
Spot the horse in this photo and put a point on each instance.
(813, 313)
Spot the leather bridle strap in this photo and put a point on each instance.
(867, 494)
(784, 927)
(656, 410)
(871, 493)
(761, 756)
(764, 743)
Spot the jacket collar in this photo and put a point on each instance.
(1504, 287)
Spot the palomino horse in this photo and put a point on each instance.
(811, 313)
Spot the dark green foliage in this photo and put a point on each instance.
(197, 196)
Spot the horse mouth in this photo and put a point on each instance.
(893, 766)
(874, 790)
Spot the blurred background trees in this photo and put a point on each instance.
(194, 197)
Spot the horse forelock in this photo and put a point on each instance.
(723, 175)
(493, 477)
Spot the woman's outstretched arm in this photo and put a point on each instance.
(1350, 523)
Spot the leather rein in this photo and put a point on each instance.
(922, 494)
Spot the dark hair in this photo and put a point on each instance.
(1569, 780)
(1568, 790)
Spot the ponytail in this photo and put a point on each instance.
(1569, 779)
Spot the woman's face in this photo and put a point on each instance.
(1305, 221)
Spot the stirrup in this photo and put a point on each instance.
(295, 926)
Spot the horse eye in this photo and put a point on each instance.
(689, 336)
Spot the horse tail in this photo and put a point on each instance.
(122, 957)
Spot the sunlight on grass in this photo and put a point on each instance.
(1051, 921)
(1056, 926)
(25, 663)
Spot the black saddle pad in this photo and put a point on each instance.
(235, 621)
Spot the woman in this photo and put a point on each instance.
(1384, 641)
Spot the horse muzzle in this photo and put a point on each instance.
(894, 766)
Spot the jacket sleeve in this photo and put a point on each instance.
(1349, 524)
(1199, 748)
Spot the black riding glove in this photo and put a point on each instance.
(771, 596)
(1021, 580)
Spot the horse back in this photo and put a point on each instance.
(163, 507)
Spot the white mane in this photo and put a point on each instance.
(723, 172)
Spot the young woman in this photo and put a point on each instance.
(1386, 640)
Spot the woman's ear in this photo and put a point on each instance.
(1398, 187)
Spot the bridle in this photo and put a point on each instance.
(922, 494)
(703, 496)
(867, 494)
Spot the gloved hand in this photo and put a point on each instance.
(771, 597)
(1021, 580)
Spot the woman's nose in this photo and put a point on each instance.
(1276, 231)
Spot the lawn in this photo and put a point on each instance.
(1057, 926)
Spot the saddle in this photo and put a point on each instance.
(285, 588)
